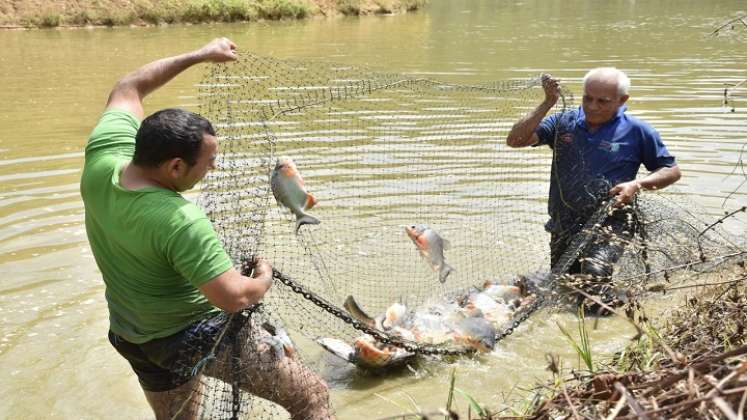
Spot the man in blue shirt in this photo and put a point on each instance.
(597, 151)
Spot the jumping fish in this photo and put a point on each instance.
(290, 191)
(431, 247)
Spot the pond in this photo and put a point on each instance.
(57, 362)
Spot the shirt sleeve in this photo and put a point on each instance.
(195, 252)
(655, 153)
(546, 130)
(114, 134)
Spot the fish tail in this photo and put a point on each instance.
(338, 348)
(352, 307)
(446, 269)
(306, 219)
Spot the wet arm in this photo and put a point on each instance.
(523, 132)
(656, 180)
(661, 178)
(233, 292)
(129, 92)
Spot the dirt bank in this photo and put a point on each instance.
(40, 13)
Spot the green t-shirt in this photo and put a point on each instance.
(153, 247)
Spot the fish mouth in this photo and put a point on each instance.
(412, 232)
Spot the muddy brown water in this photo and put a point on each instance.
(56, 361)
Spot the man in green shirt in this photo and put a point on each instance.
(167, 275)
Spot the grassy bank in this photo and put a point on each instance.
(43, 14)
(691, 365)
(690, 362)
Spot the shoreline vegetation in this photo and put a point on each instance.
(688, 362)
(27, 14)
(692, 364)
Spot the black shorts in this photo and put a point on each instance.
(166, 363)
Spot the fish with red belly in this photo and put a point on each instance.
(289, 190)
(431, 247)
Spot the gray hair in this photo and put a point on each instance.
(623, 82)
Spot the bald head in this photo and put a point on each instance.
(609, 75)
(605, 91)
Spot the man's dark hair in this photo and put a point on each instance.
(168, 134)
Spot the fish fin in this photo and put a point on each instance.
(274, 186)
(446, 269)
(310, 201)
(306, 219)
(339, 348)
(352, 307)
(446, 244)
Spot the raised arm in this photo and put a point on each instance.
(129, 92)
(523, 132)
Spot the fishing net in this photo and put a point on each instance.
(382, 152)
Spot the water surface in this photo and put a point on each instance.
(56, 360)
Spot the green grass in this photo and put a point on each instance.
(216, 10)
(50, 20)
(642, 354)
(45, 19)
(282, 9)
(583, 346)
(155, 12)
(349, 7)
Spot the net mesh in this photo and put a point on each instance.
(382, 152)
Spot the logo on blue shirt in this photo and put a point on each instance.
(611, 147)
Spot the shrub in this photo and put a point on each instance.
(280, 9)
(349, 7)
(49, 20)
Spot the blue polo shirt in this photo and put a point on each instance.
(586, 165)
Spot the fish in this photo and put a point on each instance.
(476, 332)
(437, 324)
(505, 292)
(470, 319)
(289, 190)
(491, 309)
(277, 338)
(391, 318)
(367, 353)
(431, 247)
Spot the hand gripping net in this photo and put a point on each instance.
(381, 152)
